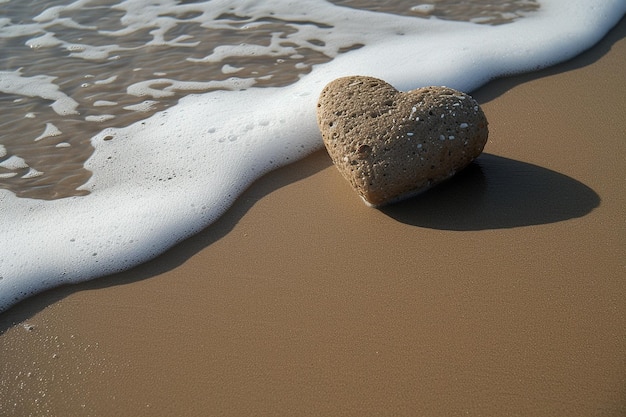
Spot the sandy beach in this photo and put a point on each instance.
(500, 292)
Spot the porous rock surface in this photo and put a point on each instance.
(391, 145)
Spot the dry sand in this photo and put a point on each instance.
(501, 292)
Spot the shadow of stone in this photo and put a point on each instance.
(497, 193)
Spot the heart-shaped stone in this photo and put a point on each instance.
(391, 145)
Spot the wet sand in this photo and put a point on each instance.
(500, 292)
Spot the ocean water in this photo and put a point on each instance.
(128, 126)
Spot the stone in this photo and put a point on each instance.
(391, 145)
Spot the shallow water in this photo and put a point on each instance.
(102, 198)
(100, 56)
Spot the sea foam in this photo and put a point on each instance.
(163, 179)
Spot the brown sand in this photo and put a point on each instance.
(500, 293)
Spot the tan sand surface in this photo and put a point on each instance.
(499, 293)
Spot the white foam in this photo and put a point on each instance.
(168, 86)
(99, 118)
(14, 162)
(144, 106)
(12, 82)
(32, 173)
(50, 131)
(159, 181)
(106, 80)
(229, 69)
(104, 103)
(423, 9)
(47, 40)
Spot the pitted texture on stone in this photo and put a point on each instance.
(390, 145)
